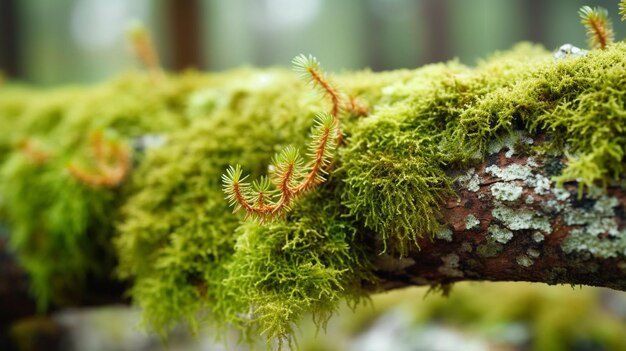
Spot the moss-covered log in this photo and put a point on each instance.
(510, 170)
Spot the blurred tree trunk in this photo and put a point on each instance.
(9, 38)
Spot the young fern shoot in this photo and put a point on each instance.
(599, 28)
(290, 176)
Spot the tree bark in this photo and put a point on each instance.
(509, 222)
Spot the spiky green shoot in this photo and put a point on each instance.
(311, 71)
(622, 9)
(289, 178)
(599, 28)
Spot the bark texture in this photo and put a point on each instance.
(510, 222)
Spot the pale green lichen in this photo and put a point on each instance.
(506, 191)
(470, 180)
(597, 231)
(533, 253)
(509, 141)
(444, 233)
(471, 222)
(489, 249)
(524, 261)
(539, 182)
(511, 172)
(518, 219)
(560, 194)
(450, 266)
(499, 234)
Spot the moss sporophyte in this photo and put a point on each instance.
(290, 176)
(175, 237)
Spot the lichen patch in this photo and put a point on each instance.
(596, 231)
(471, 222)
(470, 180)
(511, 172)
(517, 219)
(499, 234)
(506, 191)
(444, 233)
(524, 261)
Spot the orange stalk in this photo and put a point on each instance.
(111, 164)
(328, 89)
(144, 49)
(33, 153)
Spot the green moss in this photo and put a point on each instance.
(186, 253)
(307, 263)
(51, 221)
(186, 250)
(60, 228)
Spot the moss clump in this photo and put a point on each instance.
(51, 220)
(307, 263)
(61, 229)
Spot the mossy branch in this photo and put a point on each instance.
(599, 28)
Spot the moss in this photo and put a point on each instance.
(52, 224)
(60, 228)
(306, 264)
(184, 251)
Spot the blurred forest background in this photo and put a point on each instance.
(80, 41)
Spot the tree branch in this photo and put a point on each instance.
(511, 223)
